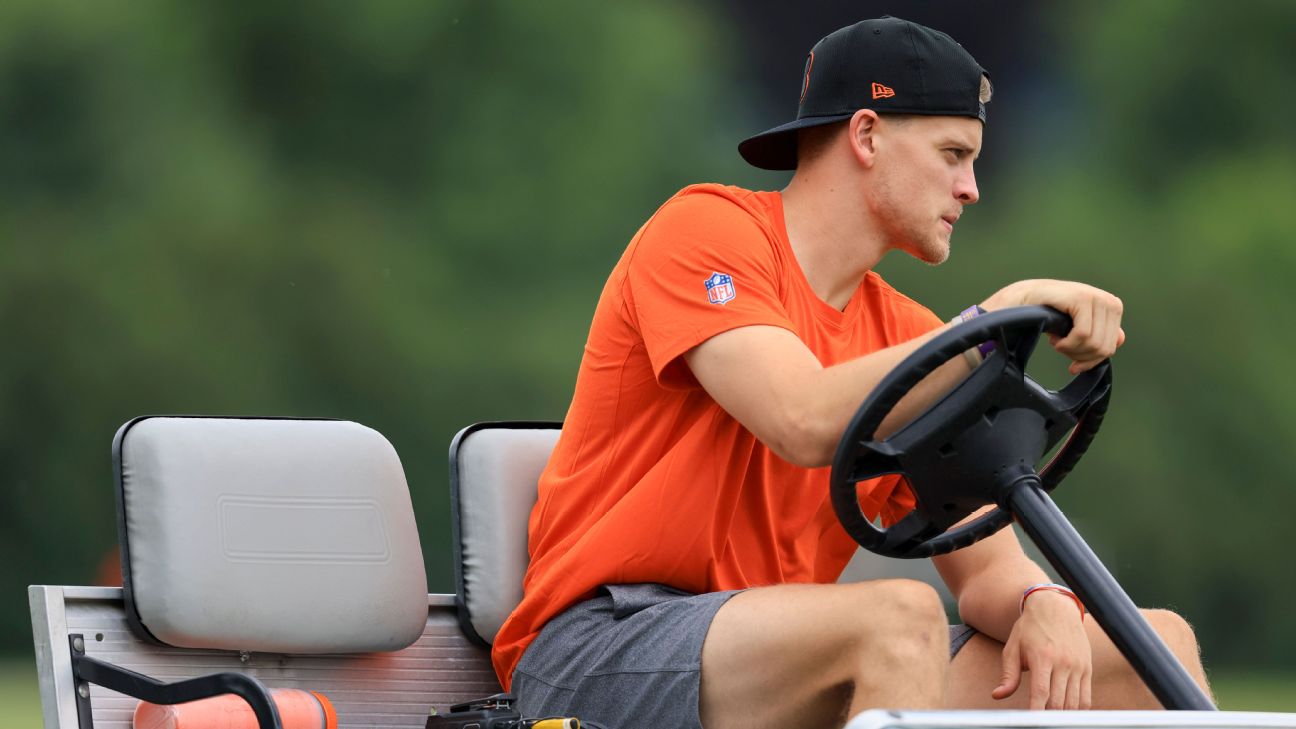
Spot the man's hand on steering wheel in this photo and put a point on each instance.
(1096, 330)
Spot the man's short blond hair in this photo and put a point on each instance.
(814, 141)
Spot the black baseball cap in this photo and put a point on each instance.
(887, 64)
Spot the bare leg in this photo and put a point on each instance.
(814, 655)
(977, 669)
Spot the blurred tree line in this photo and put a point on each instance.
(402, 213)
(399, 213)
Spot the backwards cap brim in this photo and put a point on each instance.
(776, 149)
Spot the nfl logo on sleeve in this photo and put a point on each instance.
(720, 288)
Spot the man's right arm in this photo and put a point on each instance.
(768, 380)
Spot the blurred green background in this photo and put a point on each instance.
(401, 213)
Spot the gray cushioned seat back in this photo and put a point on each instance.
(494, 469)
(268, 535)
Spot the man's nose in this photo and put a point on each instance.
(965, 188)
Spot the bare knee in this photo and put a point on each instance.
(1182, 641)
(1174, 630)
(905, 621)
(1123, 688)
(916, 600)
(1177, 634)
(826, 647)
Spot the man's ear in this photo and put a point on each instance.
(862, 129)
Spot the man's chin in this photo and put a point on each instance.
(933, 253)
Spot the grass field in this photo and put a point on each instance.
(1236, 690)
(19, 698)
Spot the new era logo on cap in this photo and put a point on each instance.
(882, 92)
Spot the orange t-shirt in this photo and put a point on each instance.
(651, 480)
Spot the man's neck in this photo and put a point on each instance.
(832, 237)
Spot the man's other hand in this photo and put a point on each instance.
(1049, 641)
(1096, 330)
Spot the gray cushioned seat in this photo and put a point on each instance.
(271, 535)
(494, 470)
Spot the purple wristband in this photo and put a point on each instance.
(972, 312)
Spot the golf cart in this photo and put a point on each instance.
(275, 552)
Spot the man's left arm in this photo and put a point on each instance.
(1046, 635)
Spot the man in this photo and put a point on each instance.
(683, 549)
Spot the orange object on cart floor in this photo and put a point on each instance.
(298, 709)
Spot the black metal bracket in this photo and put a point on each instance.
(87, 670)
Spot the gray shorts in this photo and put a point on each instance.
(630, 657)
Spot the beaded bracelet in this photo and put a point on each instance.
(1052, 587)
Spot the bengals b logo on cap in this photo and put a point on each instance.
(805, 85)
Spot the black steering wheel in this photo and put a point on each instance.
(965, 450)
